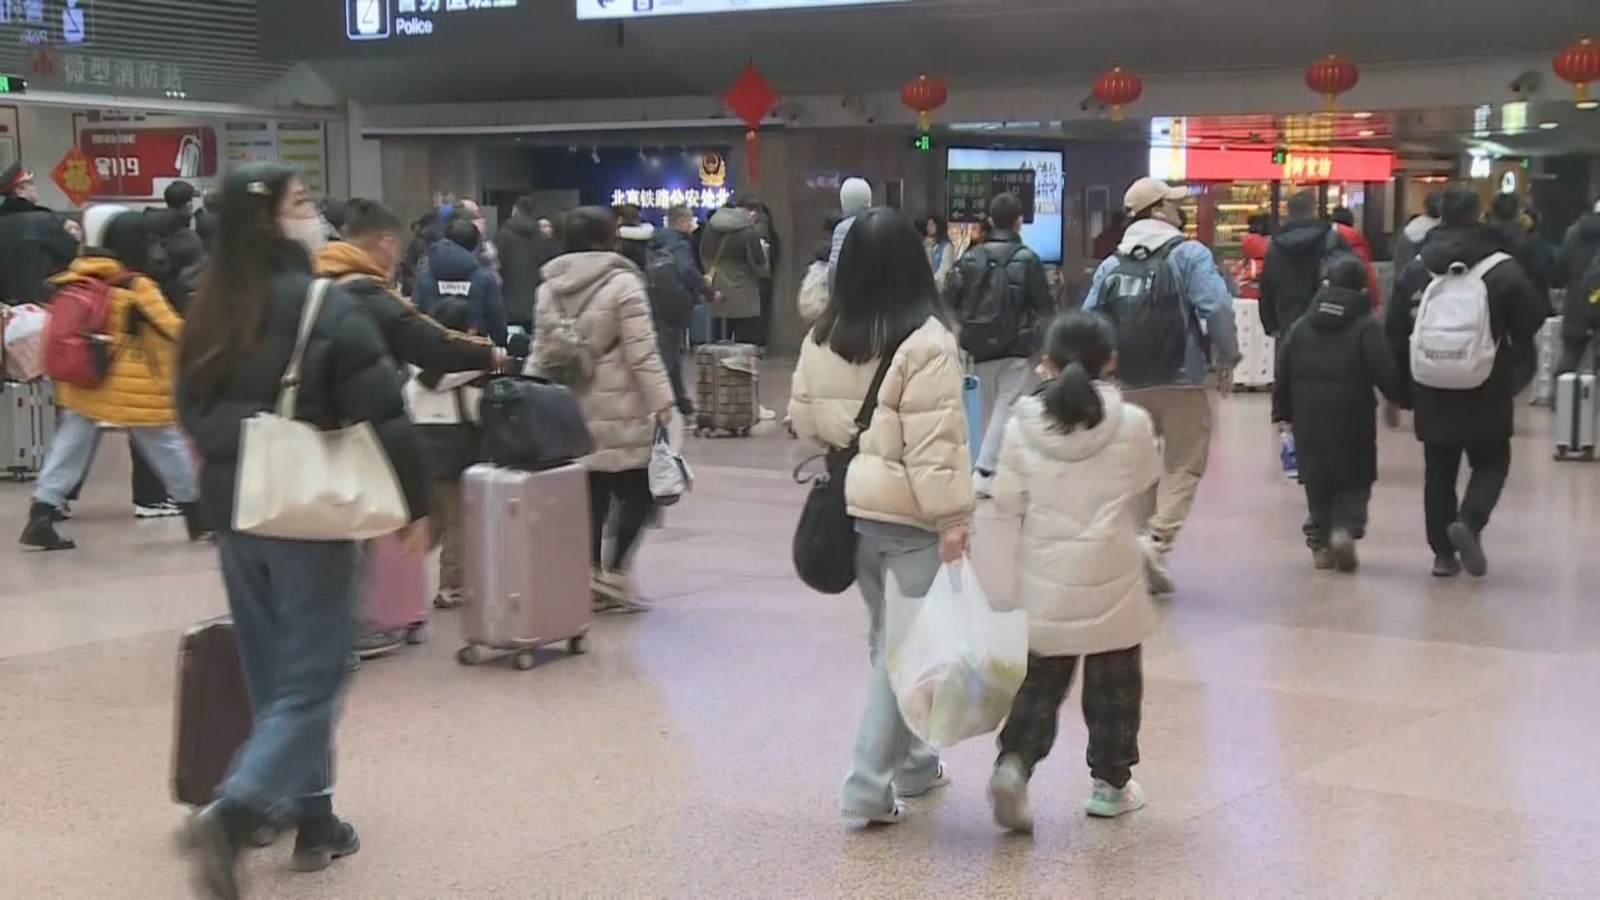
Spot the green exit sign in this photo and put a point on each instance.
(922, 143)
(11, 84)
(1280, 156)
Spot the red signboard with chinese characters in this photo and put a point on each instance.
(136, 163)
(1267, 164)
(76, 177)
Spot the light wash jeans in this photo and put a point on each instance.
(1001, 382)
(294, 617)
(72, 449)
(887, 754)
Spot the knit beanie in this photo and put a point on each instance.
(855, 195)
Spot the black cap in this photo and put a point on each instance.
(13, 177)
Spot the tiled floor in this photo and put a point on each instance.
(1306, 735)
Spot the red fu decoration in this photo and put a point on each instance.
(751, 98)
(1118, 88)
(924, 94)
(1579, 64)
(1331, 76)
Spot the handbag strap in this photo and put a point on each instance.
(869, 403)
(289, 390)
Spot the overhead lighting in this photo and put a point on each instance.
(1589, 104)
(1549, 126)
(1514, 117)
(1365, 132)
(1362, 115)
(1480, 121)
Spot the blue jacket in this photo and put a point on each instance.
(1201, 287)
(453, 271)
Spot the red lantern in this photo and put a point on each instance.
(1579, 64)
(1118, 88)
(751, 98)
(1330, 77)
(924, 94)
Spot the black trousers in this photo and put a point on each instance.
(629, 493)
(669, 341)
(741, 331)
(1113, 699)
(1331, 508)
(1490, 462)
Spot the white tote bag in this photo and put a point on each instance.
(670, 476)
(299, 482)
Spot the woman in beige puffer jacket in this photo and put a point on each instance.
(603, 295)
(910, 488)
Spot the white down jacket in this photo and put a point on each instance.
(1080, 567)
(914, 467)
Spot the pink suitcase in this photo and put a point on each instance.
(395, 589)
(525, 547)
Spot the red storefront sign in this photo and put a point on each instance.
(138, 163)
(76, 177)
(1269, 164)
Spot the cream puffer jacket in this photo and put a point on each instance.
(915, 467)
(607, 294)
(1080, 567)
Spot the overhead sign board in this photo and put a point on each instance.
(647, 9)
(380, 20)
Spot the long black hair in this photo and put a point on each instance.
(1079, 345)
(224, 325)
(883, 289)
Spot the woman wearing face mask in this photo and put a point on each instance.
(293, 602)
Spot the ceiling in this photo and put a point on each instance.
(550, 55)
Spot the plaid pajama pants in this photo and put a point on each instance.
(1113, 694)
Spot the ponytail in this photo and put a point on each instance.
(1072, 401)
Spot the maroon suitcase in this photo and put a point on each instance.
(213, 716)
(525, 545)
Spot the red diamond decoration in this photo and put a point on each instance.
(751, 97)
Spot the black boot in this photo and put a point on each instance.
(41, 531)
(191, 518)
(322, 838)
(216, 836)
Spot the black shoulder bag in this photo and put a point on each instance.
(824, 546)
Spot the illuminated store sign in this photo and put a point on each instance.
(1192, 163)
(645, 9)
(378, 20)
(667, 198)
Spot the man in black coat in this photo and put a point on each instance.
(524, 249)
(1580, 256)
(1475, 423)
(1292, 271)
(34, 242)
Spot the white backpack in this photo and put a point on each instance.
(814, 293)
(1452, 346)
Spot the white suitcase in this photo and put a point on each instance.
(27, 424)
(1575, 416)
(1545, 344)
(1257, 356)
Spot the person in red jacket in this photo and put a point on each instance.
(1345, 221)
(1247, 272)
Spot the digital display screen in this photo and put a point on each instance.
(1043, 233)
(645, 9)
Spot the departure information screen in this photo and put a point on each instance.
(644, 9)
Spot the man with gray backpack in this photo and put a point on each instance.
(1461, 323)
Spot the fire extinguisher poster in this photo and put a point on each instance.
(137, 163)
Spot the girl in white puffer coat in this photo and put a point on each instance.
(1075, 459)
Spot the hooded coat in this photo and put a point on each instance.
(1408, 243)
(1516, 314)
(1292, 272)
(524, 249)
(735, 263)
(1080, 568)
(455, 271)
(1329, 366)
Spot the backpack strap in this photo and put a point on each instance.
(1487, 264)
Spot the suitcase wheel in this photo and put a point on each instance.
(417, 634)
(524, 660)
(577, 646)
(352, 663)
(744, 432)
(469, 655)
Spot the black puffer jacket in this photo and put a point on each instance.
(523, 252)
(1331, 361)
(34, 245)
(1532, 253)
(1292, 271)
(1516, 313)
(1579, 251)
(346, 377)
(1030, 288)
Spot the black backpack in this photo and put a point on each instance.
(991, 317)
(670, 298)
(1142, 301)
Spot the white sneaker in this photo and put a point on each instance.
(1008, 796)
(1107, 802)
(163, 510)
(982, 486)
(766, 415)
(894, 816)
(619, 589)
(1156, 574)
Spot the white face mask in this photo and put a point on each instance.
(307, 232)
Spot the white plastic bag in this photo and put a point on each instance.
(24, 342)
(954, 663)
(670, 477)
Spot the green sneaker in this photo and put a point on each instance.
(1107, 802)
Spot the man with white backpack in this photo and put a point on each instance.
(1461, 323)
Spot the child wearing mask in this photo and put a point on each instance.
(444, 409)
(1075, 460)
(1329, 364)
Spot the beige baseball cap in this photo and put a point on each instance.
(1147, 192)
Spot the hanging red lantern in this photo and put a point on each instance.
(1579, 64)
(1331, 76)
(751, 97)
(924, 94)
(1118, 88)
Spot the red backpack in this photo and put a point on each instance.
(77, 350)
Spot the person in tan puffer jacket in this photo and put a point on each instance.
(910, 488)
(604, 296)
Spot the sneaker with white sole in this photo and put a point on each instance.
(894, 816)
(163, 510)
(765, 414)
(1008, 796)
(1107, 802)
(619, 589)
(941, 779)
(1156, 574)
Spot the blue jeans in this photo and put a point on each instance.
(294, 615)
(669, 340)
(72, 449)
